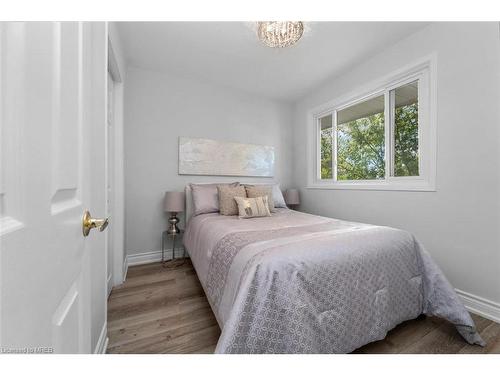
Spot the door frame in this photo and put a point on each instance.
(117, 158)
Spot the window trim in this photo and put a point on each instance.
(425, 72)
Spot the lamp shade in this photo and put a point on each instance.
(174, 201)
(292, 196)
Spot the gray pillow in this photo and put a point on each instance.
(278, 199)
(206, 197)
(227, 203)
(254, 191)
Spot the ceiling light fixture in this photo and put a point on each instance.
(279, 34)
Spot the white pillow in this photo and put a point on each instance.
(279, 200)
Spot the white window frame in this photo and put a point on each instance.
(423, 71)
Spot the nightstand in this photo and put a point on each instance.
(173, 240)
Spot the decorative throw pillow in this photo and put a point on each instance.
(254, 191)
(279, 200)
(227, 204)
(206, 197)
(252, 207)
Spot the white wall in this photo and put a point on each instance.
(459, 223)
(158, 109)
(117, 223)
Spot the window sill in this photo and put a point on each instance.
(408, 185)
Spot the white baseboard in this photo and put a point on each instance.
(150, 257)
(102, 343)
(145, 258)
(480, 306)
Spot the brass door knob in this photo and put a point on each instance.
(88, 223)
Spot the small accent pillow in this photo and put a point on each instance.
(227, 204)
(252, 207)
(279, 200)
(254, 191)
(206, 197)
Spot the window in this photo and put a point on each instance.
(326, 139)
(383, 139)
(405, 99)
(360, 141)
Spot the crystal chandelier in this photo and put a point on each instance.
(279, 34)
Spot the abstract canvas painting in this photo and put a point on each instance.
(200, 156)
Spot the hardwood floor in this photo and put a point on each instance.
(164, 310)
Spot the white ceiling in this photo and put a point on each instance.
(229, 53)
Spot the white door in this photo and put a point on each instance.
(52, 160)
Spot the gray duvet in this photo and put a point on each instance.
(299, 283)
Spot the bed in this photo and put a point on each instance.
(300, 283)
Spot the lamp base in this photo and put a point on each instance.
(172, 224)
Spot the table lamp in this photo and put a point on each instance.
(292, 197)
(174, 203)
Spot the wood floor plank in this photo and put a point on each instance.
(402, 336)
(150, 288)
(206, 350)
(189, 335)
(149, 302)
(154, 274)
(444, 339)
(490, 334)
(146, 329)
(185, 306)
(164, 310)
(192, 342)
